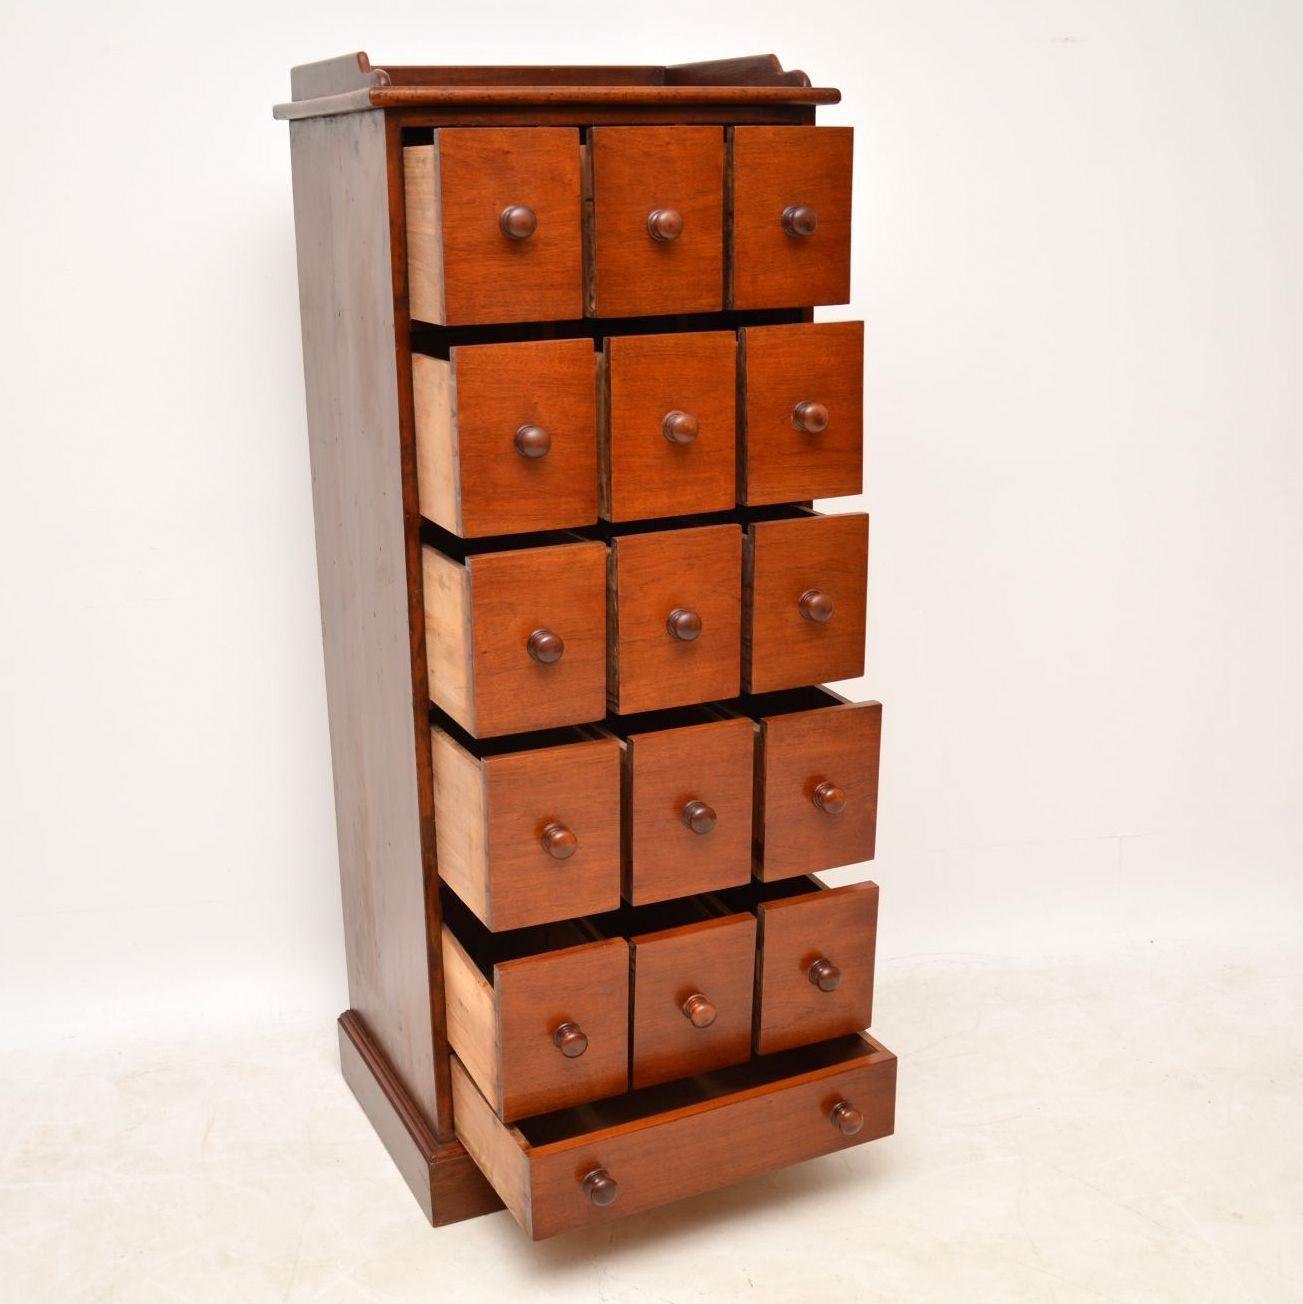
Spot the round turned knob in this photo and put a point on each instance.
(816, 606)
(699, 817)
(533, 442)
(683, 624)
(679, 427)
(518, 222)
(829, 797)
(810, 416)
(800, 219)
(545, 646)
(601, 1188)
(570, 1040)
(699, 1010)
(665, 224)
(847, 1118)
(558, 841)
(825, 975)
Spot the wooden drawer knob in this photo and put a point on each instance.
(699, 1010)
(665, 224)
(533, 442)
(545, 646)
(829, 797)
(558, 841)
(825, 975)
(680, 427)
(810, 416)
(816, 606)
(800, 219)
(518, 222)
(570, 1040)
(601, 1188)
(683, 624)
(847, 1118)
(699, 817)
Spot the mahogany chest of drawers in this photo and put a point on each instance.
(568, 411)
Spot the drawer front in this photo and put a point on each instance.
(506, 437)
(802, 431)
(516, 596)
(681, 1151)
(675, 599)
(817, 790)
(547, 1004)
(814, 977)
(791, 237)
(529, 837)
(669, 425)
(693, 989)
(688, 811)
(806, 582)
(493, 225)
(657, 220)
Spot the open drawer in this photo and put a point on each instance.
(540, 1016)
(632, 1152)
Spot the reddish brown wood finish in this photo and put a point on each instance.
(664, 771)
(711, 963)
(351, 73)
(785, 561)
(480, 618)
(445, 1180)
(530, 836)
(607, 1161)
(507, 437)
(649, 469)
(587, 985)
(480, 273)
(782, 459)
(774, 169)
(835, 925)
(684, 1148)
(836, 744)
(549, 1029)
(652, 575)
(677, 174)
(342, 176)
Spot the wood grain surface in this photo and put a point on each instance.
(445, 1180)
(473, 480)
(785, 559)
(487, 277)
(346, 298)
(772, 168)
(472, 1016)
(681, 1150)
(836, 924)
(652, 574)
(785, 366)
(645, 378)
(446, 591)
(664, 770)
(577, 785)
(838, 743)
(636, 170)
(479, 616)
(490, 813)
(587, 985)
(715, 958)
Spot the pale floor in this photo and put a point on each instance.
(1121, 1128)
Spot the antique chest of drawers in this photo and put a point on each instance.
(568, 412)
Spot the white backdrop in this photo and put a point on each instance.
(1076, 251)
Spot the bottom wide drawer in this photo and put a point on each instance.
(617, 1156)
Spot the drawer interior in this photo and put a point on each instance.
(760, 1071)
